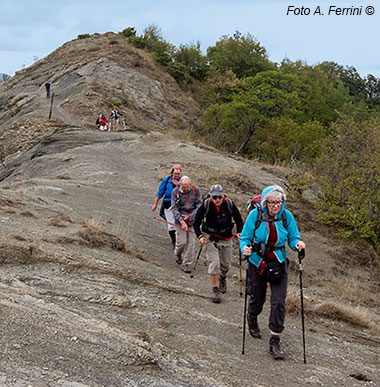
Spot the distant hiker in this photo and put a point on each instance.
(114, 119)
(47, 87)
(216, 217)
(186, 199)
(101, 121)
(165, 191)
(263, 240)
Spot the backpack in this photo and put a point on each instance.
(206, 206)
(253, 203)
(261, 248)
(166, 183)
(177, 192)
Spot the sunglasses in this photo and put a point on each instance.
(217, 197)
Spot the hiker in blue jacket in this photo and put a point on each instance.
(263, 241)
(165, 191)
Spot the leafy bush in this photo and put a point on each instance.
(192, 58)
(128, 32)
(137, 41)
(163, 58)
(116, 102)
(179, 72)
(113, 41)
(349, 174)
(242, 54)
(83, 36)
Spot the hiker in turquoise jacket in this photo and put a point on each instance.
(263, 241)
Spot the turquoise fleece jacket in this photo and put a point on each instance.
(290, 235)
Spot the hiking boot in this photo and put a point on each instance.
(179, 260)
(275, 348)
(253, 328)
(186, 269)
(222, 284)
(216, 295)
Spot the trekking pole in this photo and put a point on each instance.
(240, 275)
(301, 255)
(172, 224)
(245, 305)
(196, 262)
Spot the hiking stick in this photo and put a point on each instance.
(196, 262)
(173, 224)
(51, 105)
(301, 254)
(245, 306)
(240, 274)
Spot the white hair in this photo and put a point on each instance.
(184, 179)
(274, 194)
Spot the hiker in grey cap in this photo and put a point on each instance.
(216, 217)
(186, 199)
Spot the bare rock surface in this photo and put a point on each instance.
(75, 315)
(91, 293)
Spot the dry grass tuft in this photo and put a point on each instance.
(59, 220)
(101, 239)
(95, 236)
(339, 311)
(94, 224)
(354, 315)
(350, 288)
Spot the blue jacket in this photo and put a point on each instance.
(165, 192)
(289, 234)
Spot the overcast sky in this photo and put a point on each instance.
(33, 29)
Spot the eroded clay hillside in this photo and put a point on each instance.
(87, 76)
(91, 294)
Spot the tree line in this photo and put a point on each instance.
(323, 120)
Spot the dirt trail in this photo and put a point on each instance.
(73, 315)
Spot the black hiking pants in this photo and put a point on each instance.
(257, 289)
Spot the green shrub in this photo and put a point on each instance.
(179, 72)
(83, 36)
(128, 32)
(116, 102)
(113, 41)
(137, 41)
(163, 58)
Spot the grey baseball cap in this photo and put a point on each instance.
(216, 189)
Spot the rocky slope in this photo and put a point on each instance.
(81, 308)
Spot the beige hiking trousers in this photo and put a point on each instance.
(219, 256)
(184, 245)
